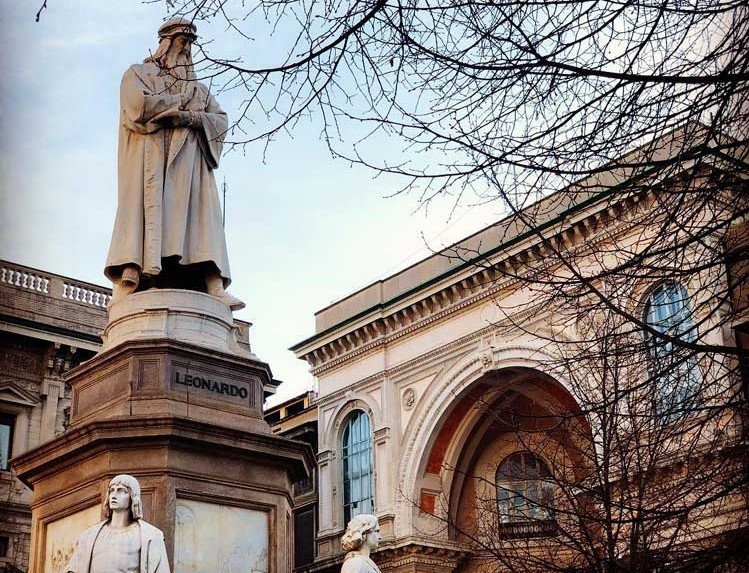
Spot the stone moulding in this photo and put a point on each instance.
(100, 436)
(406, 555)
(174, 314)
(490, 278)
(422, 556)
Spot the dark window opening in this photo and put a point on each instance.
(304, 537)
(294, 408)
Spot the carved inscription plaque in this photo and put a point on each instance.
(212, 385)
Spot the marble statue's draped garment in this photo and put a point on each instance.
(117, 550)
(167, 201)
(152, 556)
(355, 563)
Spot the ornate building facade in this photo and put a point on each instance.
(451, 408)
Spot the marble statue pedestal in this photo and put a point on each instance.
(183, 414)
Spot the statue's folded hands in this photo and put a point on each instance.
(192, 119)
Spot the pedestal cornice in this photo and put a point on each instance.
(102, 436)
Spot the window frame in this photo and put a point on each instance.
(674, 371)
(528, 490)
(8, 419)
(349, 506)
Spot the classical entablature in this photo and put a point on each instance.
(488, 262)
(479, 276)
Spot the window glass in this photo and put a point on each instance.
(674, 368)
(6, 439)
(524, 489)
(357, 466)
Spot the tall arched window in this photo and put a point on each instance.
(525, 492)
(356, 452)
(673, 368)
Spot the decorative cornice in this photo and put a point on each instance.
(17, 395)
(447, 557)
(439, 556)
(488, 280)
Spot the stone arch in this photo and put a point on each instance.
(440, 399)
(361, 402)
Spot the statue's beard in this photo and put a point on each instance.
(173, 62)
(178, 65)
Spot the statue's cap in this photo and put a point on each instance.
(177, 26)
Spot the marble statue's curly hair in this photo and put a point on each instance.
(133, 487)
(356, 530)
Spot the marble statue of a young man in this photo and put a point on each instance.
(122, 543)
(168, 231)
(361, 538)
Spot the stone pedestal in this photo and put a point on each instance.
(183, 414)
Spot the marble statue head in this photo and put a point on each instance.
(362, 529)
(174, 53)
(114, 496)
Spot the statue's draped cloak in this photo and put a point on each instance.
(167, 198)
(153, 557)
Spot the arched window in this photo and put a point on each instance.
(673, 368)
(357, 466)
(525, 492)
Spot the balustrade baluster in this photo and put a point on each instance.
(42, 284)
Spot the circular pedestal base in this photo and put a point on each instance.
(175, 314)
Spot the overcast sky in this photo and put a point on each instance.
(302, 229)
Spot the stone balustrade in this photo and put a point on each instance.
(24, 278)
(528, 529)
(84, 294)
(55, 286)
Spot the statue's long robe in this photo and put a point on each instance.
(153, 557)
(167, 201)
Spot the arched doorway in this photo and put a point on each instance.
(500, 457)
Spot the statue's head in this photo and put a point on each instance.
(175, 47)
(363, 529)
(123, 493)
